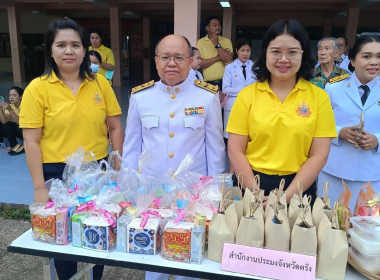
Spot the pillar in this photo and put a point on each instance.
(327, 26)
(227, 22)
(352, 25)
(187, 17)
(115, 26)
(146, 45)
(17, 51)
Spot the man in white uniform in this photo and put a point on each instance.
(342, 59)
(174, 117)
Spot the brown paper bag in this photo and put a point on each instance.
(304, 234)
(278, 195)
(297, 203)
(277, 229)
(332, 248)
(248, 196)
(321, 205)
(251, 229)
(222, 229)
(234, 195)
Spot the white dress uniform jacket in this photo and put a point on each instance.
(233, 83)
(157, 122)
(344, 64)
(344, 160)
(193, 73)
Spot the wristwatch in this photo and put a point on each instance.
(218, 45)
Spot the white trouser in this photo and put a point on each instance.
(336, 188)
(161, 276)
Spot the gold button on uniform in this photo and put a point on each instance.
(172, 115)
(171, 155)
(171, 134)
(173, 96)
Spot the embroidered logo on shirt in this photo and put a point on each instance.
(194, 110)
(303, 109)
(97, 99)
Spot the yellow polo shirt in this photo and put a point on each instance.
(69, 121)
(107, 57)
(280, 133)
(207, 49)
(16, 110)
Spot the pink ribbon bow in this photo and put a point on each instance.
(110, 219)
(49, 205)
(86, 207)
(157, 202)
(146, 217)
(195, 197)
(181, 216)
(75, 188)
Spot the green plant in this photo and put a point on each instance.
(21, 213)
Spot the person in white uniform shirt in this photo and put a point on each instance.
(196, 65)
(355, 156)
(342, 59)
(237, 75)
(174, 117)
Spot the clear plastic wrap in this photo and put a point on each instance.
(72, 170)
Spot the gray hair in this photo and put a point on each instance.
(187, 42)
(335, 43)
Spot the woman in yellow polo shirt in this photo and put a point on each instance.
(282, 126)
(68, 106)
(108, 59)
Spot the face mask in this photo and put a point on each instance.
(94, 68)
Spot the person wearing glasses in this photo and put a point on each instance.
(174, 117)
(355, 153)
(194, 73)
(216, 51)
(281, 127)
(328, 50)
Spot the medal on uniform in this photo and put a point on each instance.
(303, 109)
(348, 85)
(194, 110)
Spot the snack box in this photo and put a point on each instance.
(367, 227)
(97, 234)
(44, 228)
(365, 246)
(370, 263)
(76, 228)
(143, 240)
(176, 241)
(122, 235)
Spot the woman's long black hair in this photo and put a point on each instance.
(51, 33)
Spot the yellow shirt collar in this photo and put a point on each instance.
(53, 78)
(300, 85)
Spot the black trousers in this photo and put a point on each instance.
(12, 131)
(66, 269)
(2, 133)
(271, 182)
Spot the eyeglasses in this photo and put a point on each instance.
(290, 54)
(177, 59)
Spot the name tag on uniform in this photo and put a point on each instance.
(194, 110)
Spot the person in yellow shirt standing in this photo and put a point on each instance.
(108, 60)
(216, 51)
(281, 127)
(68, 106)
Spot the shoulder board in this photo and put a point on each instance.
(225, 64)
(207, 86)
(339, 78)
(143, 86)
